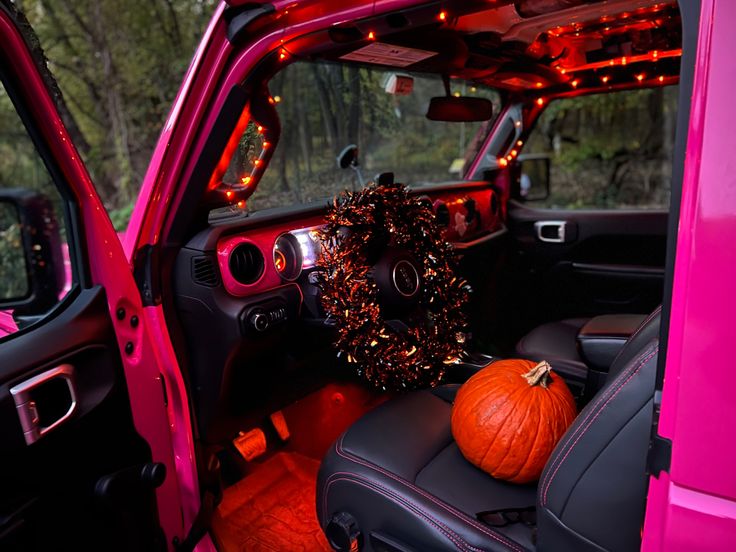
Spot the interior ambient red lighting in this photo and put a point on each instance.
(625, 60)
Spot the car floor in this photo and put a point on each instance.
(273, 506)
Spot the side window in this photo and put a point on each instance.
(35, 273)
(606, 151)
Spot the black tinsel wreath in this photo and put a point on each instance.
(388, 358)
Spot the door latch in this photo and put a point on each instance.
(27, 408)
(551, 231)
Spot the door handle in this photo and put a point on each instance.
(26, 406)
(551, 231)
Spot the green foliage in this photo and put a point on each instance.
(324, 107)
(608, 150)
(119, 66)
(13, 279)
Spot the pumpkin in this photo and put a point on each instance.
(508, 417)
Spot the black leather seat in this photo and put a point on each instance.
(556, 342)
(397, 478)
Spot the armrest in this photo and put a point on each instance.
(602, 337)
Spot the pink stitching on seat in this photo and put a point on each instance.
(638, 330)
(590, 412)
(348, 456)
(459, 542)
(562, 461)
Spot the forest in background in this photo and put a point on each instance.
(119, 66)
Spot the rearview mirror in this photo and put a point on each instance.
(459, 110)
(31, 262)
(534, 177)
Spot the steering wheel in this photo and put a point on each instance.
(388, 282)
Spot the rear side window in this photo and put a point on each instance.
(608, 151)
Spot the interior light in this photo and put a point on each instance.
(502, 162)
(575, 83)
(259, 129)
(517, 124)
(229, 194)
(661, 78)
(245, 180)
(640, 77)
(257, 163)
(277, 99)
(519, 143)
(539, 84)
(265, 144)
(371, 35)
(282, 54)
(540, 101)
(442, 16)
(604, 79)
(456, 94)
(241, 204)
(514, 153)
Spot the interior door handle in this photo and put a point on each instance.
(26, 406)
(551, 231)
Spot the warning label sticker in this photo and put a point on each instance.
(388, 54)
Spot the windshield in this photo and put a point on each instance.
(324, 107)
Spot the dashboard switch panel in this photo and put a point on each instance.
(265, 315)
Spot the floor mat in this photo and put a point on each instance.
(273, 509)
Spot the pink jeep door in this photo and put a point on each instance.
(87, 461)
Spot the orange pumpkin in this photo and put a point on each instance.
(508, 417)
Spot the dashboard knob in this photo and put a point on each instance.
(259, 321)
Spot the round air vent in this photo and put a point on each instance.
(246, 263)
(442, 213)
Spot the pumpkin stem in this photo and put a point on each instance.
(539, 375)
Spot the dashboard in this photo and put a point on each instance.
(264, 258)
(250, 312)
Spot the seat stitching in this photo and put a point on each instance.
(494, 535)
(590, 465)
(459, 542)
(639, 329)
(604, 396)
(598, 401)
(549, 480)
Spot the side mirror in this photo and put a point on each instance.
(348, 157)
(534, 177)
(459, 110)
(31, 261)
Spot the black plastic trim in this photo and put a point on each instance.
(239, 21)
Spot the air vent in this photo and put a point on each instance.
(246, 263)
(204, 271)
(442, 213)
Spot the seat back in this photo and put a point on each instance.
(592, 492)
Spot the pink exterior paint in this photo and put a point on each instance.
(694, 507)
(109, 269)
